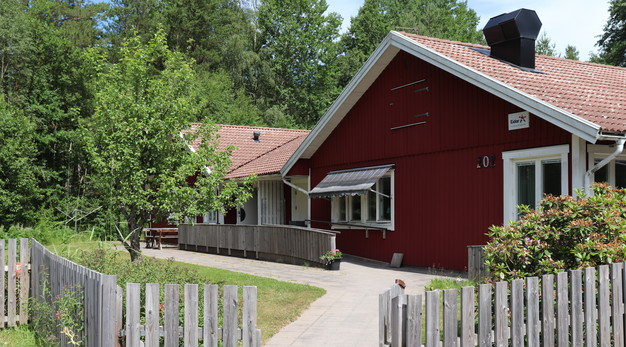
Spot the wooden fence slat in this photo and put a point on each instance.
(132, 314)
(517, 313)
(532, 316)
(591, 316)
(190, 337)
(210, 315)
(383, 300)
(24, 280)
(562, 314)
(484, 315)
(432, 319)
(108, 329)
(576, 287)
(11, 287)
(414, 321)
(3, 314)
(152, 314)
(617, 304)
(501, 313)
(548, 324)
(397, 323)
(229, 320)
(604, 307)
(118, 314)
(467, 317)
(171, 319)
(249, 317)
(450, 318)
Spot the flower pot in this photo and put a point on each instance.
(334, 265)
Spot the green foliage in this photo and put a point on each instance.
(138, 140)
(300, 41)
(545, 46)
(612, 43)
(445, 19)
(564, 233)
(331, 256)
(19, 184)
(45, 231)
(64, 313)
(572, 53)
(448, 283)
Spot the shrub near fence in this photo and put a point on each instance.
(585, 308)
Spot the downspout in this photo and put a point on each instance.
(619, 148)
(295, 186)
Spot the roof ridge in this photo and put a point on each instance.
(267, 152)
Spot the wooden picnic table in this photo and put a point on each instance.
(154, 236)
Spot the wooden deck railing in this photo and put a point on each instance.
(270, 242)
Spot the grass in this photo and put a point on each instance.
(21, 336)
(449, 283)
(279, 303)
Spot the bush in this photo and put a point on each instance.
(45, 231)
(563, 233)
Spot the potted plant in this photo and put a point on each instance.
(332, 259)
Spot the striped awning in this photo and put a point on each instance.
(349, 182)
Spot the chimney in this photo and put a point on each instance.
(256, 135)
(512, 36)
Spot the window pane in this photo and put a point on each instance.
(342, 208)
(526, 184)
(356, 208)
(601, 175)
(620, 173)
(371, 206)
(384, 186)
(551, 177)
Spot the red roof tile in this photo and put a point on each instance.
(262, 157)
(594, 92)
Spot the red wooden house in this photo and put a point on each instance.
(434, 141)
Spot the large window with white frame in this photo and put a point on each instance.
(374, 208)
(613, 173)
(530, 174)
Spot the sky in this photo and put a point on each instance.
(566, 22)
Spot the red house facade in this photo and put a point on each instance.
(434, 141)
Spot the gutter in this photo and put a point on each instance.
(619, 148)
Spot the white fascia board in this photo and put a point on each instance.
(557, 116)
(359, 84)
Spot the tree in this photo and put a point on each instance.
(15, 45)
(300, 41)
(138, 141)
(571, 53)
(613, 42)
(545, 46)
(19, 185)
(445, 19)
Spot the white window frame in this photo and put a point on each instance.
(211, 217)
(363, 222)
(599, 152)
(511, 158)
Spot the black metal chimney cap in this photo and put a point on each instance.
(256, 136)
(522, 23)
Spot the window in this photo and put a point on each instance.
(613, 173)
(373, 208)
(531, 174)
(210, 217)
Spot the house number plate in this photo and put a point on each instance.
(485, 161)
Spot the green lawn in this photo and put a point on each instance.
(279, 303)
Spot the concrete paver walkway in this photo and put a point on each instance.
(347, 315)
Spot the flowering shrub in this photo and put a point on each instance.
(331, 256)
(563, 233)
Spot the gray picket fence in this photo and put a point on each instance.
(105, 323)
(585, 308)
(161, 320)
(14, 283)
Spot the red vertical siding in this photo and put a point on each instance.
(442, 201)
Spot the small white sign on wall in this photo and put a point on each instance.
(519, 120)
